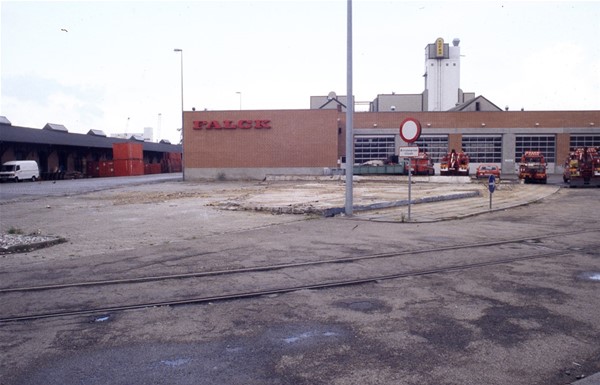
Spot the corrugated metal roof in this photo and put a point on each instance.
(15, 134)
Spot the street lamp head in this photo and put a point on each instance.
(177, 50)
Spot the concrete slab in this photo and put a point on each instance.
(386, 198)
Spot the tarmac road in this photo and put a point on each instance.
(528, 322)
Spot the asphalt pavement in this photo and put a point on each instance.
(531, 322)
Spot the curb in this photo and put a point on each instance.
(371, 178)
(471, 214)
(384, 205)
(27, 247)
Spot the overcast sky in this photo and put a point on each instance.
(110, 65)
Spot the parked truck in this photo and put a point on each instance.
(421, 165)
(455, 163)
(582, 167)
(532, 167)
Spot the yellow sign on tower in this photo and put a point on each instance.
(439, 47)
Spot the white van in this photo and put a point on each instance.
(19, 170)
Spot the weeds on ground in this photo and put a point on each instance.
(14, 231)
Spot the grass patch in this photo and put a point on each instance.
(14, 231)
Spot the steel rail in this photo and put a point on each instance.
(287, 265)
(283, 290)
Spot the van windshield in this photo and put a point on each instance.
(9, 167)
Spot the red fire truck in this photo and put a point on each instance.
(532, 168)
(582, 167)
(455, 163)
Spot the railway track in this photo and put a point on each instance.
(286, 288)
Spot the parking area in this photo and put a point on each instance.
(530, 322)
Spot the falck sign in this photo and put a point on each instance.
(230, 124)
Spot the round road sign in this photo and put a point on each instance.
(410, 130)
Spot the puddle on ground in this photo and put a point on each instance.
(176, 363)
(250, 359)
(306, 335)
(234, 349)
(590, 276)
(363, 305)
(102, 318)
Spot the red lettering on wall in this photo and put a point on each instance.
(229, 124)
(262, 124)
(214, 124)
(198, 124)
(245, 124)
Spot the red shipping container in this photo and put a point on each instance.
(129, 167)
(106, 169)
(152, 168)
(173, 156)
(175, 165)
(172, 166)
(123, 151)
(92, 169)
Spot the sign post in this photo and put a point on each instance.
(492, 187)
(410, 131)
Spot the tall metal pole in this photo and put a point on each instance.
(409, 185)
(182, 128)
(239, 93)
(349, 117)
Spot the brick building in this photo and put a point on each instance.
(252, 144)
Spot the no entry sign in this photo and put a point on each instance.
(410, 130)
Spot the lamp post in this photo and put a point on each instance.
(239, 93)
(349, 116)
(182, 129)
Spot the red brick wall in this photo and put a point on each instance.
(297, 138)
(495, 119)
(562, 147)
(310, 138)
(455, 142)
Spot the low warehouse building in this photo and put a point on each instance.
(64, 154)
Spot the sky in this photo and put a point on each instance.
(111, 65)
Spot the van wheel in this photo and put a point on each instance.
(16, 180)
(33, 178)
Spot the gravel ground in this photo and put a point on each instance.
(527, 323)
(11, 243)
